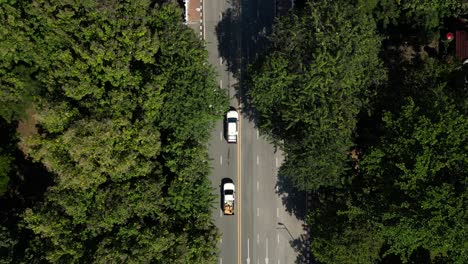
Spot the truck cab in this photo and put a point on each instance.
(232, 119)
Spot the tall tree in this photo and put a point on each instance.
(8, 147)
(419, 181)
(425, 15)
(407, 200)
(125, 100)
(312, 83)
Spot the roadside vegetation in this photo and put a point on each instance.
(106, 110)
(373, 127)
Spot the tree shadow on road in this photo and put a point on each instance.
(301, 246)
(293, 199)
(295, 202)
(242, 38)
(229, 44)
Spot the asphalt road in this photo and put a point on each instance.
(264, 228)
(223, 155)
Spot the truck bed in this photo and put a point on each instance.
(229, 208)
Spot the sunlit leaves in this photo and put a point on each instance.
(124, 101)
(310, 87)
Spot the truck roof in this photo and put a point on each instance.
(229, 186)
(232, 128)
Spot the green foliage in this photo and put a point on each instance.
(406, 197)
(311, 85)
(342, 233)
(8, 143)
(7, 242)
(92, 152)
(409, 197)
(16, 85)
(5, 167)
(426, 14)
(125, 101)
(423, 158)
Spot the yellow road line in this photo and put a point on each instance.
(239, 182)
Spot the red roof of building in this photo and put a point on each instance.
(461, 45)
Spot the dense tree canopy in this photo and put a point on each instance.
(125, 101)
(424, 157)
(312, 83)
(5, 168)
(403, 197)
(409, 196)
(426, 15)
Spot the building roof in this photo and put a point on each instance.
(461, 45)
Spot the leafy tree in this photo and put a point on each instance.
(5, 167)
(16, 84)
(410, 196)
(7, 242)
(341, 234)
(312, 83)
(407, 198)
(419, 176)
(8, 142)
(125, 100)
(427, 15)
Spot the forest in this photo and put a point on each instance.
(106, 110)
(370, 104)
